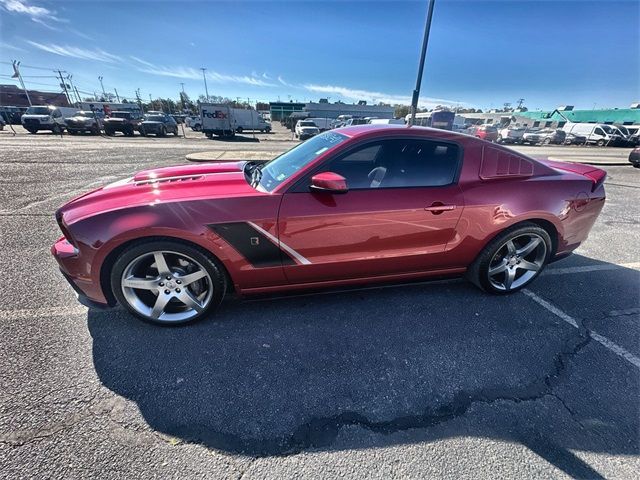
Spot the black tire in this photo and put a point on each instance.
(109, 132)
(212, 266)
(546, 141)
(601, 142)
(72, 132)
(95, 131)
(239, 130)
(163, 132)
(56, 130)
(142, 132)
(33, 131)
(478, 271)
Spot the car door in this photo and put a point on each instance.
(402, 207)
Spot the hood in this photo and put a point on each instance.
(152, 122)
(162, 185)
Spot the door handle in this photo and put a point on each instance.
(438, 207)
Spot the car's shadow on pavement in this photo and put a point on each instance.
(276, 376)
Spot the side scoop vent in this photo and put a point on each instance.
(497, 163)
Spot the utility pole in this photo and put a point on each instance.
(117, 96)
(63, 84)
(206, 90)
(520, 102)
(150, 103)
(423, 54)
(139, 101)
(73, 88)
(16, 74)
(182, 97)
(104, 94)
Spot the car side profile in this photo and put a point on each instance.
(365, 204)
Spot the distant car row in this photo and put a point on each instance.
(571, 134)
(58, 119)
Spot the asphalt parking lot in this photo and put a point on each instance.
(401, 381)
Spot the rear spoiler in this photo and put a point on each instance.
(596, 175)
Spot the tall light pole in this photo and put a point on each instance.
(204, 76)
(423, 54)
(104, 94)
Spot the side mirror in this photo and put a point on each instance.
(329, 182)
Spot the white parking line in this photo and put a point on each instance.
(605, 342)
(591, 268)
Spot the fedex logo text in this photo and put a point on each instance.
(214, 114)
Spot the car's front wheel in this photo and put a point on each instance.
(167, 282)
(512, 260)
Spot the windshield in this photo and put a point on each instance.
(84, 114)
(38, 111)
(608, 129)
(307, 124)
(121, 115)
(281, 168)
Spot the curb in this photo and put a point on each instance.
(609, 163)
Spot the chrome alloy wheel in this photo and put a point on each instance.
(166, 286)
(517, 261)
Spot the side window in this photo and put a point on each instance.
(599, 131)
(357, 166)
(398, 163)
(418, 163)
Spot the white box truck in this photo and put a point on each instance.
(248, 119)
(217, 120)
(46, 117)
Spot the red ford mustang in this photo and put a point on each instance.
(353, 205)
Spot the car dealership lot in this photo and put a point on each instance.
(419, 380)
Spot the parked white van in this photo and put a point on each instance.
(597, 133)
(387, 121)
(46, 117)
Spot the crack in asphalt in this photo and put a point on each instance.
(321, 432)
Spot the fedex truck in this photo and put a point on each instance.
(217, 120)
(225, 121)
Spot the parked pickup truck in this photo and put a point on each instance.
(120, 121)
(510, 135)
(83, 121)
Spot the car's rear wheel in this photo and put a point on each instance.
(546, 141)
(168, 283)
(512, 260)
(143, 132)
(601, 143)
(32, 130)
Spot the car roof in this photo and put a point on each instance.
(395, 129)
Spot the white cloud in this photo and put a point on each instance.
(16, 6)
(40, 15)
(77, 52)
(196, 74)
(283, 82)
(357, 94)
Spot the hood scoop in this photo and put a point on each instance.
(185, 172)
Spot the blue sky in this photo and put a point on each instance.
(481, 54)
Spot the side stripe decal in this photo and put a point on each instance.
(258, 246)
(283, 246)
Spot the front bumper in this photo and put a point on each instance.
(73, 268)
